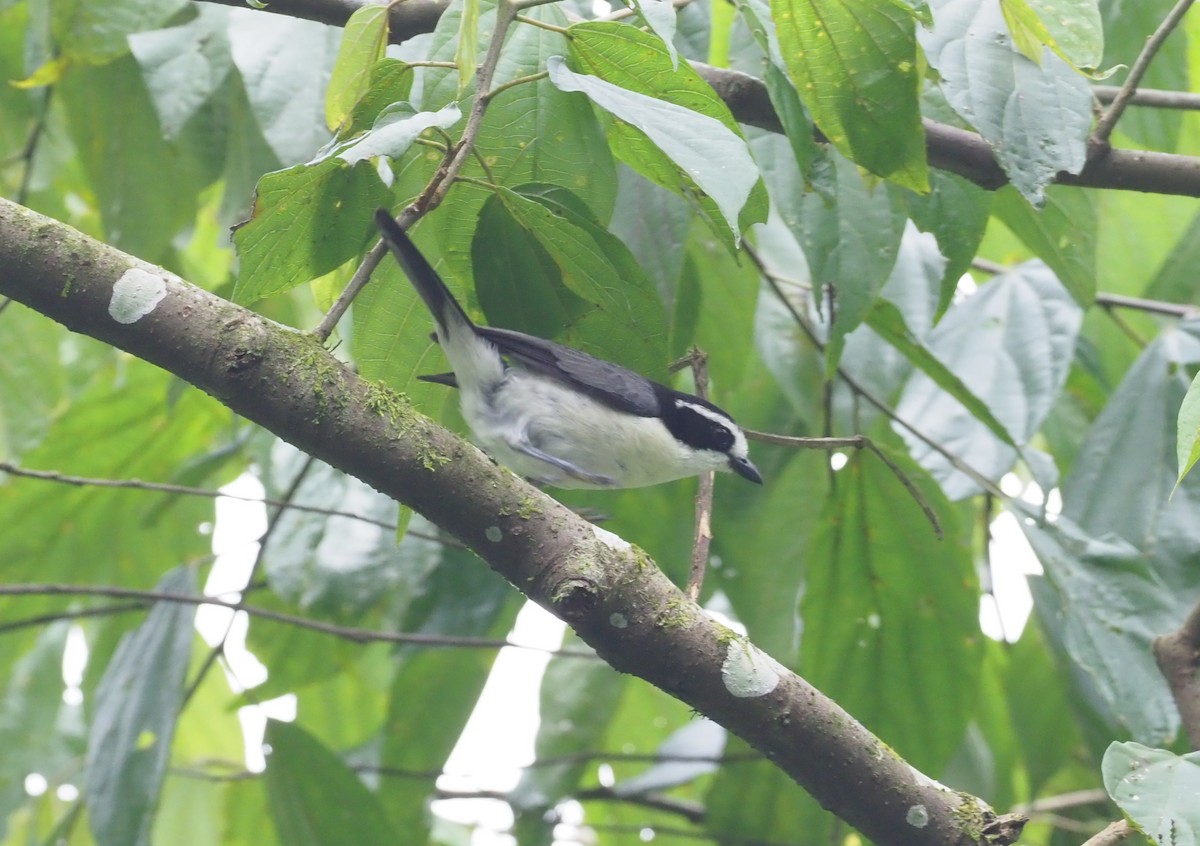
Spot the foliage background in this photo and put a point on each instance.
(150, 125)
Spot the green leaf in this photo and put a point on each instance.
(627, 323)
(1126, 26)
(1062, 233)
(889, 323)
(184, 66)
(1015, 337)
(850, 240)
(578, 699)
(1156, 789)
(1036, 118)
(307, 220)
(1103, 605)
(364, 39)
(868, 608)
(956, 212)
(1072, 29)
(1132, 445)
(135, 710)
(700, 146)
(856, 67)
(94, 31)
(1187, 448)
(637, 61)
(659, 15)
(395, 130)
(315, 799)
(284, 64)
(390, 82)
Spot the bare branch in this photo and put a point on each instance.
(1115, 834)
(1108, 120)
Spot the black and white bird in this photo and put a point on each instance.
(560, 416)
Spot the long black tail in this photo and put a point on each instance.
(425, 279)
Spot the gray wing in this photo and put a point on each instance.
(611, 384)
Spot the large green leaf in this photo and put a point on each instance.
(1062, 233)
(855, 65)
(1187, 443)
(1035, 117)
(1011, 344)
(184, 66)
(700, 147)
(626, 321)
(1102, 605)
(364, 39)
(307, 220)
(315, 799)
(578, 699)
(1157, 790)
(95, 30)
(133, 722)
(872, 609)
(850, 238)
(284, 64)
(1132, 444)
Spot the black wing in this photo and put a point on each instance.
(611, 384)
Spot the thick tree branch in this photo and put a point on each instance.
(609, 592)
(948, 148)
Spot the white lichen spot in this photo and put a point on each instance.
(135, 295)
(493, 534)
(610, 540)
(618, 620)
(917, 816)
(748, 671)
(874, 621)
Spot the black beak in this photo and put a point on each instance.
(745, 468)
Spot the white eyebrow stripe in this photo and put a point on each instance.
(704, 411)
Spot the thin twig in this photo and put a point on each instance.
(1154, 98)
(1113, 835)
(1181, 310)
(1108, 121)
(852, 442)
(162, 487)
(442, 181)
(76, 614)
(1063, 802)
(513, 83)
(350, 633)
(31, 144)
(1122, 324)
(957, 463)
(702, 536)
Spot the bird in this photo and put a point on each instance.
(559, 416)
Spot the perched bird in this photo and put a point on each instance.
(560, 416)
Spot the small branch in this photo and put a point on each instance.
(1108, 121)
(1114, 834)
(513, 83)
(1063, 802)
(693, 812)
(445, 177)
(1122, 324)
(957, 463)
(1181, 310)
(525, 19)
(350, 633)
(78, 614)
(702, 536)
(1154, 98)
(1178, 657)
(161, 487)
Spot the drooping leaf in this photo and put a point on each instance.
(364, 38)
(1011, 344)
(1061, 233)
(184, 66)
(856, 67)
(1156, 789)
(1035, 117)
(315, 799)
(395, 130)
(95, 30)
(1100, 602)
(307, 220)
(137, 705)
(869, 608)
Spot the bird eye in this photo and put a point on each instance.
(701, 428)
